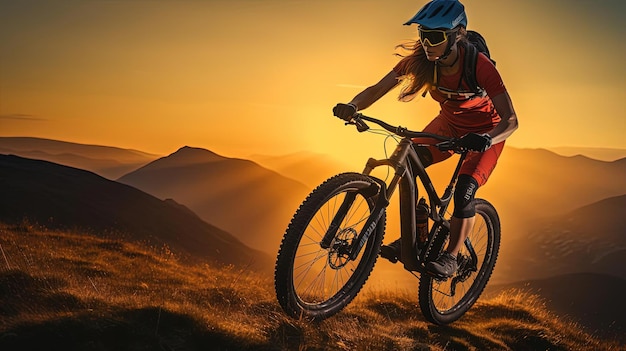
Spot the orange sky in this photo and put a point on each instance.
(250, 76)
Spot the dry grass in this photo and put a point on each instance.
(77, 291)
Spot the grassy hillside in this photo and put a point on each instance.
(73, 291)
(595, 301)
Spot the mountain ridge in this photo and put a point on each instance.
(252, 202)
(599, 153)
(108, 161)
(184, 156)
(36, 143)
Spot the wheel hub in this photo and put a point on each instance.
(338, 253)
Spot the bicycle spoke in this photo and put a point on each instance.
(308, 266)
(352, 212)
(316, 285)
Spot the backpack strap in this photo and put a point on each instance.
(469, 69)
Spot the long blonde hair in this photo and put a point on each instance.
(419, 73)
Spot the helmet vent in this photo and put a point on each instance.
(448, 10)
(434, 13)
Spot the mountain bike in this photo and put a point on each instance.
(333, 240)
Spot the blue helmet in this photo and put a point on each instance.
(440, 14)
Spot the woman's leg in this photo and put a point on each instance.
(461, 224)
(474, 173)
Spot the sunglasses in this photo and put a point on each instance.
(433, 37)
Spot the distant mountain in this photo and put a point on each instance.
(307, 167)
(540, 183)
(589, 239)
(596, 301)
(109, 162)
(58, 196)
(245, 199)
(598, 153)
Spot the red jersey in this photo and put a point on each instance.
(475, 113)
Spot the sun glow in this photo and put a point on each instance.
(242, 77)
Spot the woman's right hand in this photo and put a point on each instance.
(344, 111)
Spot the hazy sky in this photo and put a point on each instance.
(255, 76)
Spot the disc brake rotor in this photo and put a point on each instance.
(340, 248)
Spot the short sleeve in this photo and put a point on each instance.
(488, 76)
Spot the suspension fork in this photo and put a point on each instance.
(382, 201)
(382, 194)
(377, 190)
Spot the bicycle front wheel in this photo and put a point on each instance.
(444, 302)
(313, 282)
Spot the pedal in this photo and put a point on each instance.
(439, 278)
(389, 254)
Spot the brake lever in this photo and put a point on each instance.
(452, 144)
(361, 126)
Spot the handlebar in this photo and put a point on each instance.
(445, 144)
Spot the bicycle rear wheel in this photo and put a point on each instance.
(313, 282)
(444, 302)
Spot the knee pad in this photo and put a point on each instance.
(464, 206)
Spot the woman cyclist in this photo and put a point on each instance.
(481, 120)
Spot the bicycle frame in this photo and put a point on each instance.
(404, 179)
(316, 277)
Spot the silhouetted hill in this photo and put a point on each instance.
(109, 162)
(598, 153)
(58, 196)
(247, 200)
(596, 301)
(588, 239)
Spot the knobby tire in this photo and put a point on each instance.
(434, 295)
(314, 283)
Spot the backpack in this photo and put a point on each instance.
(477, 44)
